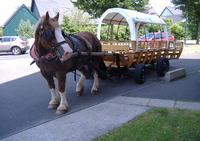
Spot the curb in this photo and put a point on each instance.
(97, 120)
(175, 74)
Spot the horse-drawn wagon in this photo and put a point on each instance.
(56, 53)
(134, 53)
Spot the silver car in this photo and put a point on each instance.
(15, 44)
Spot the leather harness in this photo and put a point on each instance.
(50, 57)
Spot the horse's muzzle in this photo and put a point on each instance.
(59, 52)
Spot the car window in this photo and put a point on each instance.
(0, 39)
(6, 40)
(147, 36)
(23, 38)
(12, 39)
(159, 36)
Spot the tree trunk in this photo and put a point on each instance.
(198, 32)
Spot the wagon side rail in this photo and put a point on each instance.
(147, 52)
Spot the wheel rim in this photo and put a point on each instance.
(16, 50)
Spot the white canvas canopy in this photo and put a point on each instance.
(132, 18)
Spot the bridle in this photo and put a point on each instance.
(49, 36)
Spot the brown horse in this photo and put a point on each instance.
(50, 51)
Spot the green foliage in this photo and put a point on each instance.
(154, 28)
(191, 12)
(192, 28)
(25, 29)
(1, 31)
(97, 7)
(168, 21)
(78, 22)
(158, 124)
(114, 33)
(177, 30)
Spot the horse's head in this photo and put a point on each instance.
(44, 33)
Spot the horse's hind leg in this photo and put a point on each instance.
(80, 85)
(63, 107)
(95, 86)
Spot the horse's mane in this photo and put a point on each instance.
(39, 22)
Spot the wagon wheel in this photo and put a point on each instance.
(139, 73)
(162, 66)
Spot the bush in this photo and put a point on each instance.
(177, 30)
(78, 22)
(25, 29)
(1, 31)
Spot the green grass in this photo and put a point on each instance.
(159, 124)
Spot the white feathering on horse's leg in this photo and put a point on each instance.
(95, 86)
(63, 107)
(80, 85)
(54, 99)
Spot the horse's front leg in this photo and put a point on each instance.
(54, 94)
(63, 107)
(95, 86)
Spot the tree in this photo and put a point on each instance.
(26, 29)
(1, 31)
(177, 30)
(191, 12)
(76, 22)
(97, 7)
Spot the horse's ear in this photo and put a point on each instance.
(57, 17)
(47, 17)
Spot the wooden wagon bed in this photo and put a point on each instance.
(147, 52)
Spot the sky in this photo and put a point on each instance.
(159, 5)
(7, 7)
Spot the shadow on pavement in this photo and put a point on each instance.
(24, 101)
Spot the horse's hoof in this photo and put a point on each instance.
(79, 93)
(94, 92)
(60, 112)
(52, 106)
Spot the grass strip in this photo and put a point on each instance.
(159, 124)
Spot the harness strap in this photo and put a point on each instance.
(58, 44)
(74, 40)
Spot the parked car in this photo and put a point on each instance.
(157, 36)
(15, 44)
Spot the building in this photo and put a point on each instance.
(40, 7)
(150, 10)
(173, 13)
(11, 25)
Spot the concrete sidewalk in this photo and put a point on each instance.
(89, 123)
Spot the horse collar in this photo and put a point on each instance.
(34, 54)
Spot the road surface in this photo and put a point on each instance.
(24, 94)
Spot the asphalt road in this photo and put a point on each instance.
(10, 56)
(24, 101)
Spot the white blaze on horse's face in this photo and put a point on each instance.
(59, 36)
